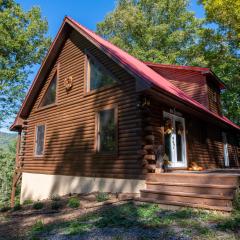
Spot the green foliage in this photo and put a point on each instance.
(236, 201)
(17, 207)
(27, 202)
(226, 13)
(55, 198)
(5, 209)
(101, 197)
(73, 202)
(55, 205)
(38, 205)
(7, 165)
(22, 44)
(166, 31)
(157, 31)
(37, 227)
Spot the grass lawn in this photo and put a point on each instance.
(143, 221)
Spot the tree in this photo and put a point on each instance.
(222, 49)
(226, 13)
(154, 30)
(22, 44)
(7, 164)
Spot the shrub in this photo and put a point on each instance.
(17, 207)
(5, 209)
(55, 198)
(38, 205)
(73, 202)
(27, 202)
(101, 197)
(55, 205)
(37, 227)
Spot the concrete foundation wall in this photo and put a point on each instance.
(43, 186)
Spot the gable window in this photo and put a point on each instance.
(50, 95)
(39, 140)
(106, 131)
(97, 75)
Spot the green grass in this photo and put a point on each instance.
(73, 202)
(191, 222)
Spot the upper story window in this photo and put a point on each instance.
(106, 131)
(39, 140)
(97, 75)
(50, 95)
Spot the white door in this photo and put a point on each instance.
(175, 140)
(225, 149)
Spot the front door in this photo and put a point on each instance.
(175, 140)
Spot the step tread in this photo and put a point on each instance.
(191, 185)
(197, 195)
(222, 175)
(183, 204)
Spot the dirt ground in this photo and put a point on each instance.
(16, 224)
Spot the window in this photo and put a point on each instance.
(50, 94)
(39, 140)
(97, 76)
(106, 131)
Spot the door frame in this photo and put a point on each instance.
(175, 163)
(225, 149)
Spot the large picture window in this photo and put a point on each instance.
(50, 95)
(39, 140)
(106, 131)
(97, 75)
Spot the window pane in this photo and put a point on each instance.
(98, 77)
(50, 95)
(40, 139)
(107, 132)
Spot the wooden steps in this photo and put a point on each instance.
(184, 204)
(206, 190)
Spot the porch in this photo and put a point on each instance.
(211, 189)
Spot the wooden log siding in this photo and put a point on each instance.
(213, 97)
(233, 149)
(204, 141)
(69, 148)
(191, 82)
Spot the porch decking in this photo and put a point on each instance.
(210, 189)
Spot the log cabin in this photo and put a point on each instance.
(98, 119)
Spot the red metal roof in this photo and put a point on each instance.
(202, 70)
(138, 68)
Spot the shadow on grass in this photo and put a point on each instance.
(148, 220)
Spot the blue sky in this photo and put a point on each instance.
(86, 12)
